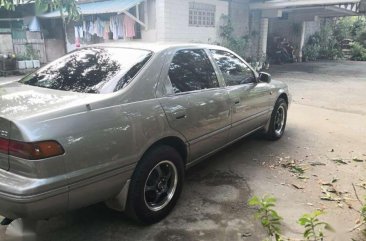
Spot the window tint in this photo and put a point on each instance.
(91, 70)
(192, 70)
(235, 71)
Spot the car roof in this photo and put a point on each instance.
(157, 46)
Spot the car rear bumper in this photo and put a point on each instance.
(22, 197)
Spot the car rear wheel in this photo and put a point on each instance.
(155, 185)
(278, 120)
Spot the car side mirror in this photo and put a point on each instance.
(265, 77)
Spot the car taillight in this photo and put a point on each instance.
(4, 146)
(31, 150)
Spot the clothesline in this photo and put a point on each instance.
(118, 27)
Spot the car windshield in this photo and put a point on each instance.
(91, 70)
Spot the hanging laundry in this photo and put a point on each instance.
(129, 27)
(120, 28)
(106, 31)
(113, 27)
(116, 26)
(77, 36)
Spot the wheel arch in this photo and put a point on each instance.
(283, 96)
(119, 203)
(175, 142)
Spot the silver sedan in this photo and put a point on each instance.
(121, 123)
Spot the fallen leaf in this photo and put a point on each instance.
(247, 234)
(297, 186)
(330, 198)
(331, 189)
(317, 164)
(297, 170)
(339, 161)
(334, 179)
(357, 160)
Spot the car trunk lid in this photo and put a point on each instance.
(19, 101)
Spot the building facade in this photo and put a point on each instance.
(184, 21)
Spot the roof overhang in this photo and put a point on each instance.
(281, 4)
(321, 11)
(111, 6)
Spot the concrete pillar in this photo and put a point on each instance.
(263, 36)
(302, 40)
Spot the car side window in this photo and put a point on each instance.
(192, 70)
(235, 71)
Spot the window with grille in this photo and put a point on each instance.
(201, 14)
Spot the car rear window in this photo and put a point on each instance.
(91, 70)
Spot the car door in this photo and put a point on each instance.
(196, 104)
(250, 99)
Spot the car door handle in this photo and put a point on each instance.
(181, 116)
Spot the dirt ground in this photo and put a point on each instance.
(327, 120)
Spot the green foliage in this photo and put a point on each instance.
(240, 45)
(363, 211)
(358, 27)
(314, 228)
(358, 52)
(311, 52)
(362, 38)
(268, 217)
(349, 27)
(323, 44)
(68, 7)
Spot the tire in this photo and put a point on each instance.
(152, 193)
(278, 120)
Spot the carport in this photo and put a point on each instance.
(297, 20)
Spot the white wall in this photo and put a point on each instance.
(240, 12)
(172, 18)
(150, 34)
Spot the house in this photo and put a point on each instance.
(189, 21)
(20, 33)
(298, 19)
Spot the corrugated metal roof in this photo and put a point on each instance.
(112, 6)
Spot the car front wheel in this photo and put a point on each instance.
(155, 185)
(278, 120)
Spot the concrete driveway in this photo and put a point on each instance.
(326, 120)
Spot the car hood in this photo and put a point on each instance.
(19, 101)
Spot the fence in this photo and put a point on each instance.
(37, 46)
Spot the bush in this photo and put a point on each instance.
(362, 38)
(311, 52)
(358, 52)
